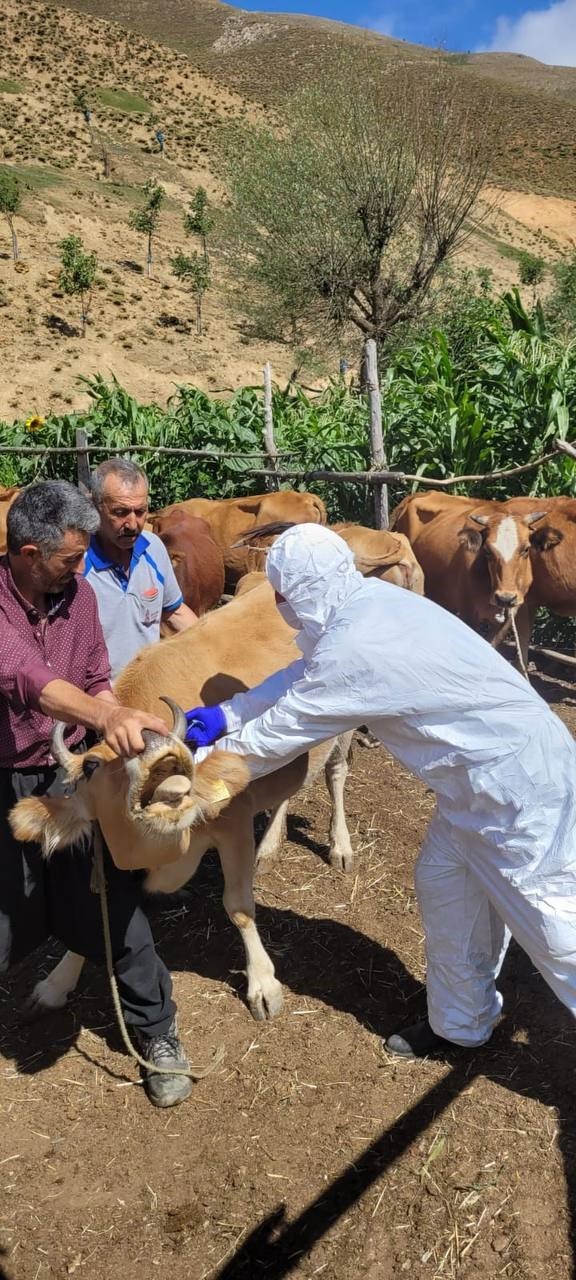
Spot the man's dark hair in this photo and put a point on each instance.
(128, 472)
(42, 513)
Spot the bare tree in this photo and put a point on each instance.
(348, 214)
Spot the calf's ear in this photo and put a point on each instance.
(54, 822)
(220, 777)
(544, 539)
(469, 538)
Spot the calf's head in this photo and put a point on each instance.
(499, 544)
(145, 807)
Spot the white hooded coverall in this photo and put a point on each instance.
(501, 848)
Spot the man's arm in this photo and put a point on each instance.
(176, 616)
(248, 706)
(178, 619)
(120, 726)
(318, 706)
(27, 681)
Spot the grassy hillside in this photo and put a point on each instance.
(266, 56)
(142, 330)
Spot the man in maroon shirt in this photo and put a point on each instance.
(54, 666)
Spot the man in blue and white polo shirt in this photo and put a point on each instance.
(129, 570)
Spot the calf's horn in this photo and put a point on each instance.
(479, 519)
(179, 726)
(60, 751)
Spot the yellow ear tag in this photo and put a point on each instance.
(219, 790)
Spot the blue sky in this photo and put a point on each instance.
(541, 30)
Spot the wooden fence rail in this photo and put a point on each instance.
(344, 477)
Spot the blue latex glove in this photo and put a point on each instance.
(205, 725)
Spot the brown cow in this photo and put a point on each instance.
(162, 811)
(475, 555)
(377, 553)
(553, 558)
(7, 497)
(196, 558)
(229, 518)
(381, 554)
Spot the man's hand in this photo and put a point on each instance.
(122, 729)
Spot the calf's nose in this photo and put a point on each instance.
(506, 597)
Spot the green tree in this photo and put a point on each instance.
(531, 269)
(195, 272)
(347, 214)
(562, 302)
(10, 199)
(197, 219)
(82, 104)
(146, 218)
(77, 274)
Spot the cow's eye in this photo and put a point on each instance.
(525, 552)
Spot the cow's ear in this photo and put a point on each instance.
(469, 538)
(220, 777)
(54, 822)
(546, 538)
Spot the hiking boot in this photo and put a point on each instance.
(163, 1051)
(417, 1041)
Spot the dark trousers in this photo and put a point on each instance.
(51, 897)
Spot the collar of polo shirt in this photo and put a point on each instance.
(95, 559)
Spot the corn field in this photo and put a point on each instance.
(481, 397)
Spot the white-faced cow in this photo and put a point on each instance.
(475, 555)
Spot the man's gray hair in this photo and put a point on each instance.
(129, 473)
(43, 513)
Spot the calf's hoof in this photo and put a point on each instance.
(44, 999)
(342, 860)
(266, 1002)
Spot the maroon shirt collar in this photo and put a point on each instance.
(32, 613)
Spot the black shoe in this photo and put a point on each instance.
(163, 1051)
(417, 1041)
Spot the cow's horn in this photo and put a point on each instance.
(479, 519)
(263, 531)
(534, 516)
(58, 747)
(180, 726)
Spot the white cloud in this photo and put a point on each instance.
(546, 34)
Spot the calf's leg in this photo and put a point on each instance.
(237, 855)
(274, 835)
(336, 772)
(52, 992)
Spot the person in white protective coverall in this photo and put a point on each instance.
(499, 857)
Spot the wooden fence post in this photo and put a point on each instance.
(82, 460)
(269, 441)
(377, 455)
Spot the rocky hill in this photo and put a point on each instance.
(217, 64)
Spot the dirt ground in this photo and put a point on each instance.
(309, 1151)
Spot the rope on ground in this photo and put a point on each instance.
(193, 1073)
(521, 662)
(510, 624)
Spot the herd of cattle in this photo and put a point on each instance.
(162, 811)
(482, 560)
